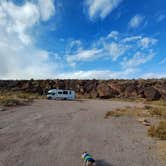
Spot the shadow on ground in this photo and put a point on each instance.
(102, 163)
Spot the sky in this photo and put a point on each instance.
(82, 39)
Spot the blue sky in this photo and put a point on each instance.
(85, 39)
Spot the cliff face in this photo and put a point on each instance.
(150, 89)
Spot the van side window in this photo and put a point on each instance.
(59, 92)
(70, 92)
(65, 92)
(53, 93)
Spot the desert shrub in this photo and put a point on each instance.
(10, 98)
(20, 94)
(161, 150)
(158, 131)
(12, 101)
(112, 114)
(148, 107)
(157, 102)
(128, 111)
(24, 95)
(158, 111)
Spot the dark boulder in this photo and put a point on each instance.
(131, 91)
(151, 93)
(104, 91)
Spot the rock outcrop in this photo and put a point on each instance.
(105, 91)
(151, 93)
(151, 89)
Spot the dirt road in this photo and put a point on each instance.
(54, 133)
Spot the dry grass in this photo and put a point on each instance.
(129, 99)
(128, 111)
(146, 111)
(161, 150)
(14, 102)
(155, 110)
(112, 114)
(158, 131)
(158, 112)
(8, 99)
(156, 103)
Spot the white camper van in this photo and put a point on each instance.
(61, 94)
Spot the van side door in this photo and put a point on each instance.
(65, 94)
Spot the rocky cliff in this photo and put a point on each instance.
(152, 89)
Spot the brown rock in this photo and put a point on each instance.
(151, 93)
(151, 89)
(104, 91)
(144, 121)
(131, 91)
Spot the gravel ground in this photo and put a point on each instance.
(54, 133)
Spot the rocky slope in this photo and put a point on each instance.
(152, 89)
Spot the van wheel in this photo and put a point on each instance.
(49, 98)
(65, 98)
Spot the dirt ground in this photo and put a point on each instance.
(54, 133)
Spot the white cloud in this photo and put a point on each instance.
(104, 47)
(138, 59)
(132, 39)
(75, 43)
(96, 74)
(163, 61)
(83, 55)
(153, 75)
(19, 57)
(17, 19)
(141, 41)
(146, 42)
(116, 50)
(46, 8)
(23, 62)
(113, 35)
(107, 48)
(136, 21)
(101, 8)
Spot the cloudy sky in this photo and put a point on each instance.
(82, 39)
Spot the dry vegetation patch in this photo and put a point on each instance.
(161, 150)
(158, 131)
(153, 115)
(146, 111)
(128, 111)
(156, 103)
(9, 99)
(156, 111)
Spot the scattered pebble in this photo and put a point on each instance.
(144, 121)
